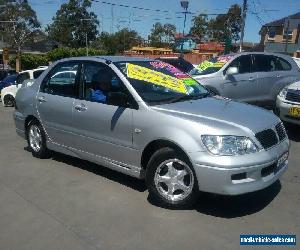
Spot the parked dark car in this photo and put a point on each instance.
(179, 63)
(5, 73)
(7, 81)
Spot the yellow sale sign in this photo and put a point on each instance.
(155, 77)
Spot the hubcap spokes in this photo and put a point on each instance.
(174, 180)
(35, 138)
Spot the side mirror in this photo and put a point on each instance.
(118, 99)
(232, 71)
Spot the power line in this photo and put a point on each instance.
(132, 7)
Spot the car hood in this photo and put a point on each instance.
(295, 85)
(220, 110)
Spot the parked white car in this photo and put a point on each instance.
(288, 103)
(297, 60)
(8, 94)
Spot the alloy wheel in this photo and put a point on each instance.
(174, 180)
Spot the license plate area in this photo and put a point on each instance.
(282, 161)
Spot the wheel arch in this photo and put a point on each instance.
(157, 144)
(28, 120)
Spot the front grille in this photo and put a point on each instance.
(293, 95)
(280, 131)
(267, 138)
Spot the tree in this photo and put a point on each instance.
(235, 21)
(199, 28)
(169, 33)
(118, 42)
(162, 35)
(156, 36)
(226, 26)
(72, 23)
(21, 24)
(221, 28)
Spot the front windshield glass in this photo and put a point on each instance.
(211, 66)
(159, 82)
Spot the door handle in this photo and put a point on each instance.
(80, 107)
(278, 76)
(42, 99)
(251, 79)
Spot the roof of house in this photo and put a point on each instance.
(281, 22)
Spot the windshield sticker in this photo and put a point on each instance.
(155, 77)
(219, 62)
(205, 65)
(170, 68)
(189, 81)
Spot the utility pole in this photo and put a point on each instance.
(286, 33)
(245, 7)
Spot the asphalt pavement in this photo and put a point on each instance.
(67, 203)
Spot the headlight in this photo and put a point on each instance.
(283, 93)
(228, 145)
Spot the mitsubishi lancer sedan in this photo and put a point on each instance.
(147, 119)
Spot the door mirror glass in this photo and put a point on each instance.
(117, 99)
(232, 71)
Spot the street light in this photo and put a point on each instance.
(184, 4)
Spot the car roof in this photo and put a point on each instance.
(258, 53)
(113, 59)
(32, 70)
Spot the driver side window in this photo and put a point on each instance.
(99, 81)
(242, 63)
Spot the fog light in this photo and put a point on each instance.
(240, 176)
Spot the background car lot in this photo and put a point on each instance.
(66, 203)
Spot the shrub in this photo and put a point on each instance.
(30, 61)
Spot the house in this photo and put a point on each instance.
(282, 35)
(186, 42)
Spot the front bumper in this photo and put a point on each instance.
(234, 175)
(283, 111)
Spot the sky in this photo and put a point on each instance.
(114, 18)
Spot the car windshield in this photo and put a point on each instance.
(159, 82)
(211, 66)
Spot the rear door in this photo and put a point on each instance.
(55, 101)
(241, 86)
(274, 73)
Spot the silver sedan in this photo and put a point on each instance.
(147, 119)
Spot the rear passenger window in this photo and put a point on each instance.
(268, 63)
(263, 63)
(282, 64)
(62, 80)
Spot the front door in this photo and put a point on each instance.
(104, 130)
(55, 102)
(241, 86)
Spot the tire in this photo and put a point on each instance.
(171, 180)
(9, 101)
(36, 140)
